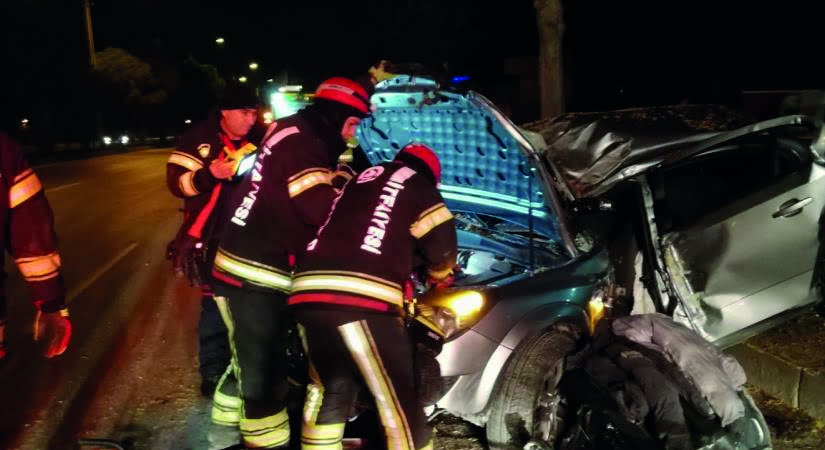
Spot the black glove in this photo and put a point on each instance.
(188, 258)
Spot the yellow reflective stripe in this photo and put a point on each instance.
(356, 285)
(186, 183)
(310, 178)
(223, 308)
(226, 409)
(312, 403)
(39, 268)
(253, 272)
(361, 345)
(327, 436)
(348, 273)
(23, 174)
(185, 160)
(430, 219)
(24, 189)
(266, 432)
(226, 418)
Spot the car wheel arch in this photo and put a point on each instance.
(506, 420)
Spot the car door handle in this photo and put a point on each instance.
(792, 207)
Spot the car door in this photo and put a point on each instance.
(739, 225)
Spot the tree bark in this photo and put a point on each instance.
(551, 82)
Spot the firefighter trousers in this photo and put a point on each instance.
(213, 342)
(256, 321)
(349, 350)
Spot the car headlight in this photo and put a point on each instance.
(465, 305)
(595, 309)
(454, 310)
(107, 140)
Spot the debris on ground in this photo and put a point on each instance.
(791, 428)
(452, 433)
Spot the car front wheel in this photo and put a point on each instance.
(527, 406)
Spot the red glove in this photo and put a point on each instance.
(432, 283)
(55, 330)
(441, 278)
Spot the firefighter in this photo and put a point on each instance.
(274, 213)
(349, 297)
(27, 225)
(201, 170)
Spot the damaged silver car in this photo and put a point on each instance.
(558, 224)
(726, 222)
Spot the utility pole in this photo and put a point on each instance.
(88, 15)
(98, 126)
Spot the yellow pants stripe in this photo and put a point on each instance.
(322, 437)
(266, 432)
(358, 340)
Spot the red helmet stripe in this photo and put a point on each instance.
(344, 91)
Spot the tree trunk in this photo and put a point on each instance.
(551, 29)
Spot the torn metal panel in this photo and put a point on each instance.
(690, 265)
(590, 153)
(586, 149)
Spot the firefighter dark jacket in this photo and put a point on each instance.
(28, 228)
(386, 220)
(280, 204)
(188, 176)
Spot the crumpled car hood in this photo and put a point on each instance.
(485, 159)
(592, 151)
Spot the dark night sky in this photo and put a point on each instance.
(617, 54)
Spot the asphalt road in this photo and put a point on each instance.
(114, 217)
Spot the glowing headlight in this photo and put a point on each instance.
(595, 309)
(124, 139)
(107, 140)
(465, 303)
(452, 310)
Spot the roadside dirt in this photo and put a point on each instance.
(798, 341)
(791, 428)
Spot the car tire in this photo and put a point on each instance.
(532, 373)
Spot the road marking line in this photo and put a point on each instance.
(62, 187)
(99, 273)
